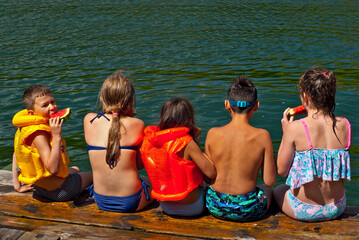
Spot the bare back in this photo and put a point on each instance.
(238, 151)
(123, 179)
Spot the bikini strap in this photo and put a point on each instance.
(307, 133)
(349, 134)
(100, 115)
(145, 186)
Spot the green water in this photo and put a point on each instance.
(192, 49)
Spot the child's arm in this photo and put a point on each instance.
(15, 178)
(201, 160)
(286, 149)
(140, 125)
(206, 145)
(50, 155)
(139, 162)
(268, 166)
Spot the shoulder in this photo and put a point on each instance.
(342, 122)
(294, 126)
(134, 126)
(87, 121)
(89, 117)
(262, 135)
(39, 138)
(343, 129)
(135, 122)
(214, 131)
(263, 132)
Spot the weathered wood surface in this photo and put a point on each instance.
(27, 218)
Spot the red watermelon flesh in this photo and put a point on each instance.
(297, 110)
(63, 114)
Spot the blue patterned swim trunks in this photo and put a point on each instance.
(242, 208)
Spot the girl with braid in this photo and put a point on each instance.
(112, 139)
(314, 153)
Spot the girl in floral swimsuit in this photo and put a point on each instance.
(314, 153)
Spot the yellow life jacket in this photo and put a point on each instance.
(27, 157)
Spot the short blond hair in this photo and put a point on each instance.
(32, 92)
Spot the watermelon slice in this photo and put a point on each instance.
(297, 111)
(63, 114)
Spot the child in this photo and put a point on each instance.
(112, 138)
(174, 161)
(238, 152)
(314, 153)
(40, 152)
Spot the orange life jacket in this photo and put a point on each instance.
(171, 176)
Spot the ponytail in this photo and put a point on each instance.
(116, 97)
(113, 142)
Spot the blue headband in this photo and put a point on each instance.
(241, 104)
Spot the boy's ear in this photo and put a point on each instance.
(30, 112)
(256, 106)
(227, 105)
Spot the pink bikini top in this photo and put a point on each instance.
(328, 164)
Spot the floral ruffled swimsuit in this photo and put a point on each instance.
(328, 164)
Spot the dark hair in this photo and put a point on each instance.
(33, 92)
(242, 89)
(177, 112)
(117, 95)
(320, 85)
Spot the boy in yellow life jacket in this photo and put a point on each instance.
(40, 152)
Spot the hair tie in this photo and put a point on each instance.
(115, 114)
(325, 74)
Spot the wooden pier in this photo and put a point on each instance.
(23, 217)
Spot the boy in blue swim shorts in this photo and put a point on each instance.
(239, 151)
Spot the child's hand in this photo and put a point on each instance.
(56, 126)
(25, 188)
(286, 119)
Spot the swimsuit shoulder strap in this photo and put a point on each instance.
(98, 116)
(349, 133)
(307, 133)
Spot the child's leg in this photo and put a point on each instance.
(144, 202)
(86, 178)
(281, 198)
(15, 174)
(268, 192)
(74, 169)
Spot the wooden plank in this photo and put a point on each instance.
(25, 228)
(154, 221)
(10, 233)
(82, 219)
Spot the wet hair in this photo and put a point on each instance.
(177, 112)
(116, 97)
(320, 85)
(242, 89)
(32, 92)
